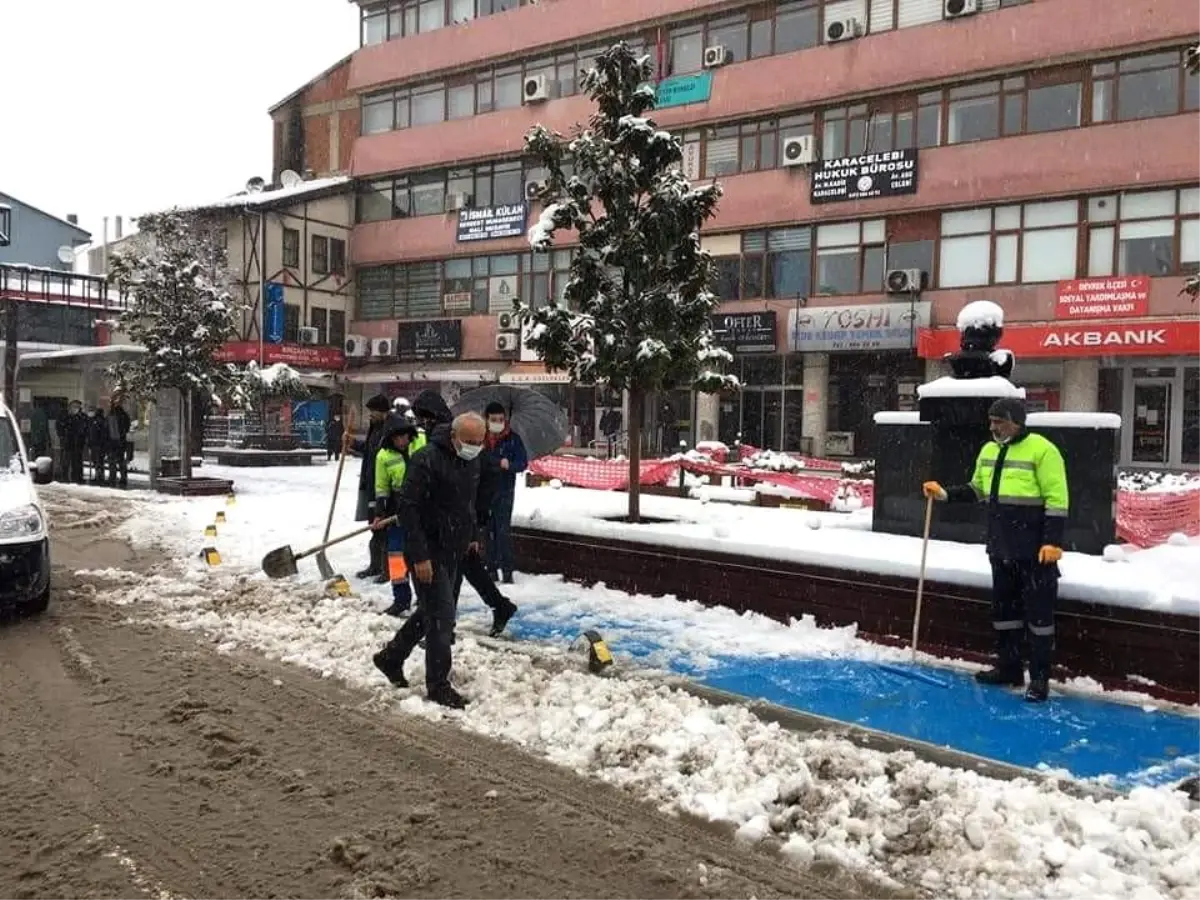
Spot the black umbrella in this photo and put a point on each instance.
(541, 423)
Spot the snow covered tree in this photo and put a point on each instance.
(636, 310)
(179, 311)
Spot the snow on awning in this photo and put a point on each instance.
(79, 354)
(995, 386)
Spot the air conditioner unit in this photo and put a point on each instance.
(799, 151)
(956, 9)
(508, 321)
(537, 89)
(905, 281)
(382, 347)
(533, 189)
(457, 201)
(309, 336)
(507, 343)
(716, 55)
(842, 30)
(357, 345)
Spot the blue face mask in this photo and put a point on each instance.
(469, 451)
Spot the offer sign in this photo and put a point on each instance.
(1103, 298)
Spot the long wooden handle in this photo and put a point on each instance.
(921, 575)
(337, 483)
(390, 520)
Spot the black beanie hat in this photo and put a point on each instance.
(379, 403)
(1008, 408)
(494, 409)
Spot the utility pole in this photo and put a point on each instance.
(11, 319)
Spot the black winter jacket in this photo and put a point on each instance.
(437, 502)
(368, 447)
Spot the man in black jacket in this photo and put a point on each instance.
(377, 410)
(73, 434)
(436, 506)
(117, 425)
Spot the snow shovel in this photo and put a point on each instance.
(334, 580)
(917, 674)
(281, 562)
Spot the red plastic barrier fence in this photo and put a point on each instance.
(1146, 519)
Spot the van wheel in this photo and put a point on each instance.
(38, 604)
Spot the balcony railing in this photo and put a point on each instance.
(35, 284)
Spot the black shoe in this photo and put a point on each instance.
(447, 697)
(996, 675)
(368, 572)
(508, 579)
(397, 610)
(500, 617)
(394, 674)
(1038, 690)
(382, 578)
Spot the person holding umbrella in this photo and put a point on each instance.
(507, 451)
(377, 410)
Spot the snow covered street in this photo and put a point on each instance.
(892, 816)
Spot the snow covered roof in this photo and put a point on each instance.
(273, 198)
(970, 387)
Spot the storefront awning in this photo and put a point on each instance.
(384, 374)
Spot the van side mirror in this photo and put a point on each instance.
(43, 469)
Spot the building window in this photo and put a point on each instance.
(973, 113)
(797, 26)
(686, 50)
(1037, 242)
(721, 151)
(378, 113)
(291, 248)
(1051, 107)
(319, 319)
(320, 255)
(337, 256)
(850, 258)
(460, 101)
(733, 34)
(402, 18)
(291, 323)
(1146, 233)
(727, 282)
(844, 131)
(428, 105)
(1142, 87)
(337, 328)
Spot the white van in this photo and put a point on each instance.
(24, 531)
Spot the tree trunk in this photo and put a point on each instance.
(637, 402)
(185, 435)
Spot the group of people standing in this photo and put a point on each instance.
(103, 439)
(438, 490)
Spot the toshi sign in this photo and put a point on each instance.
(1103, 298)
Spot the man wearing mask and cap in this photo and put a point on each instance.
(377, 411)
(507, 451)
(1022, 479)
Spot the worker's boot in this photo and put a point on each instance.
(1008, 670)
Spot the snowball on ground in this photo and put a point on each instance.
(995, 386)
(979, 314)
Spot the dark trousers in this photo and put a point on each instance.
(74, 457)
(501, 555)
(1024, 594)
(475, 571)
(118, 463)
(97, 455)
(434, 622)
(377, 548)
(333, 452)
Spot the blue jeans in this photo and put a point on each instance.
(397, 567)
(501, 555)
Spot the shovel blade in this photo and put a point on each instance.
(280, 562)
(324, 567)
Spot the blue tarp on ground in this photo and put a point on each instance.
(1088, 737)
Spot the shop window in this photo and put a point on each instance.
(291, 248)
(686, 48)
(1191, 416)
(797, 26)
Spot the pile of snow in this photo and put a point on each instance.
(1158, 482)
(820, 798)
(773, 461)
(949, 386)
(709, 448)
(846, 499)
(980, 314)
(862, 469)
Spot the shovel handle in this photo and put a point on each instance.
(390, 520)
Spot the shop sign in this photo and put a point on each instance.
(1177, 338)
(1103, 298)
(488, 223)
(745, 332)
(438, 339)
(682, 90)
(301, 356)
(536, 376)
(891, 174)
(863, 326)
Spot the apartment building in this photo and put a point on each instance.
(884, 162)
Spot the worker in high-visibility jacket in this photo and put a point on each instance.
(391, 466)
(1022, 479)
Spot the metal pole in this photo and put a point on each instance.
(262, 285)
(11, 324)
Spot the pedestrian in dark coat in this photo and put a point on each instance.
(73, 432)
(436, 506)
(97, 443)
(117, 428)
(377, 410)
(334, 429)
(474, 566)
(507, 450)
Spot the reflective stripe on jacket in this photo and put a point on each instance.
(1024, 483)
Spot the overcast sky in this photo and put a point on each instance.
(122, 106)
